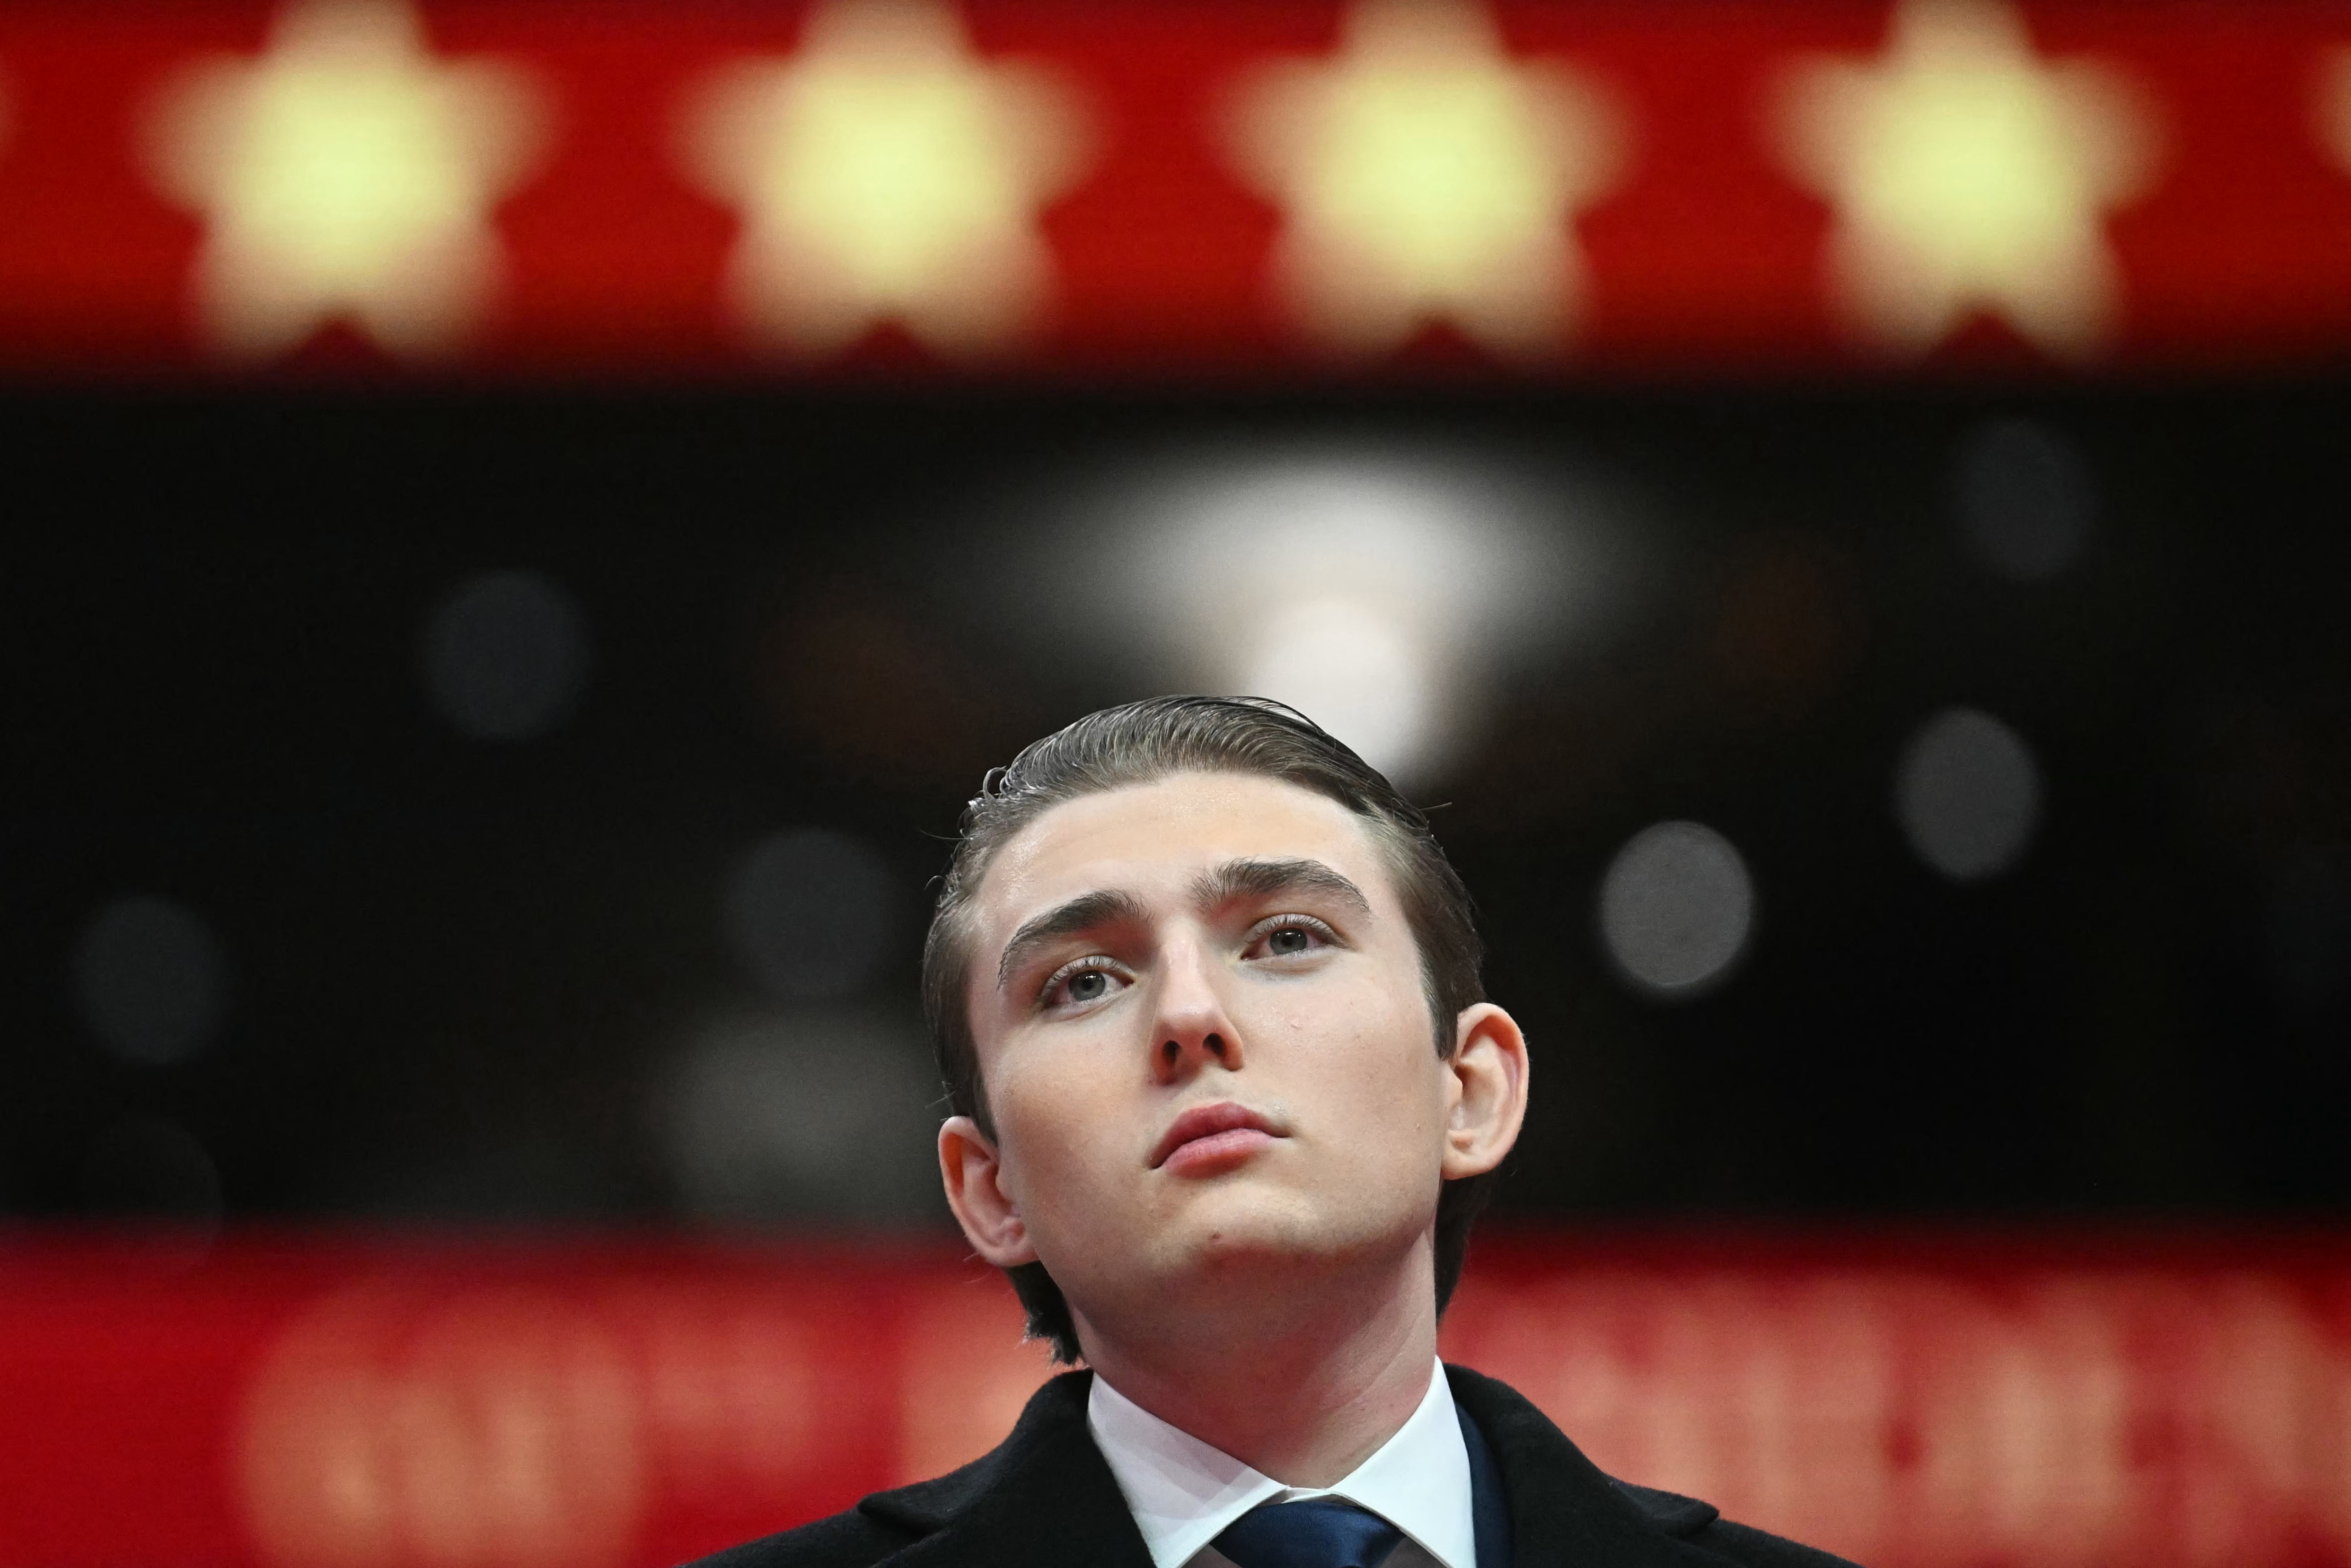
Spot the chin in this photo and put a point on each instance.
(1240, 1231)
(1243, 1247)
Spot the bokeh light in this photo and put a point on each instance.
(1380, 592)
(1968, 794)
(811, 1113)
(505, 656)
(2024, 499)
(808, 912)
(152, 980)
(887, 171)
(1969, 172)
(1427, 174)
(347, 173)
(1361, 675)
(1676, 909)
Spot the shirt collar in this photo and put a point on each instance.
(1183, 1492)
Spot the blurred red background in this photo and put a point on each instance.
(1915, 1399)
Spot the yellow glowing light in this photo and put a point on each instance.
(344, 173)
(1968, 175)
(886, 173)
(1426, 175)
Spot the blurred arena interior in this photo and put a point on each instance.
(530, 521)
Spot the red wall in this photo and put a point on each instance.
(349, 1402)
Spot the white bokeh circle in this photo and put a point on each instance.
(1968, 794)
(1676, 909)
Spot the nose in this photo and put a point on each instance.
(1191, 1028)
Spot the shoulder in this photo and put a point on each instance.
(997, 1504)
(1703, 1526)
(850, 1539)
(883, 1523)
(1564, 1506)
(1744, 1544)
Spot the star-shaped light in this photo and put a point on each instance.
(345, 173)
(1426, 175)
(1970, 175)
(885, 172)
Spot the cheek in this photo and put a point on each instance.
(1056, 1110)
(1375, 1055)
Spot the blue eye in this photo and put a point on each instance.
(1288, 939)
(1087, 981)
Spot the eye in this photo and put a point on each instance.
(1290, 935)
(1088, 980)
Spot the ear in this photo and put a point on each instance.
(973, 1173)
(1489, 1091)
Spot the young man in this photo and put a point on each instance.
(1204, 993)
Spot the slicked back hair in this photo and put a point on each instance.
(1139, 744)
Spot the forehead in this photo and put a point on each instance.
(1167, 832)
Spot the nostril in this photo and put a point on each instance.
(1171, 1051)
(1216, 1044)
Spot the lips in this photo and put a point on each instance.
(1206, 1130)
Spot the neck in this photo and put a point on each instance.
(1302, 1385)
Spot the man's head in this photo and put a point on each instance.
(1192, 912)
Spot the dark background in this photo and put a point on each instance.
(458, 970)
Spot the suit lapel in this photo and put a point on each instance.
(1489, 1501)
(1044, 1499)
(1564, 1513)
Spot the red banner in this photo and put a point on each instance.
(1046, 187)
(335, 1403)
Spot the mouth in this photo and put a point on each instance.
(1211, 1138)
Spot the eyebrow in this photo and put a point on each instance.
(1084, 913)
(1265, 879)
(1232, 880)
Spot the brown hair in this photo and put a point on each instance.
(1143, 742)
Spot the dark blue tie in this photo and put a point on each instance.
(1320, 1533)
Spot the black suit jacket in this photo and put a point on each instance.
(1045, 1498)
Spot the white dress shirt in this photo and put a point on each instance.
(1183, 1493)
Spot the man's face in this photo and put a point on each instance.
(1200, 1019)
